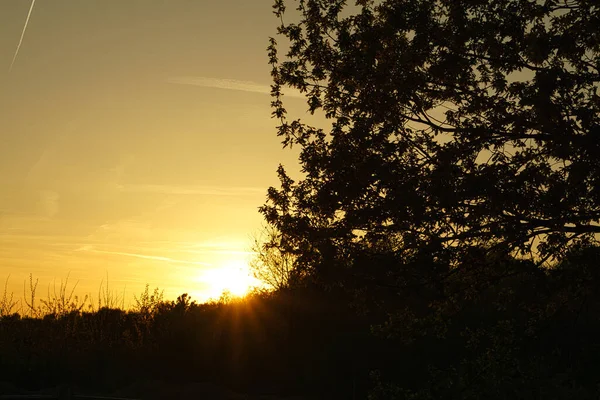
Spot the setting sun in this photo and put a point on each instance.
(233, 276)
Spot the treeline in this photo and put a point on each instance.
(493, 328)
(292, 341)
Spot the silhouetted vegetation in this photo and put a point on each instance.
(456, 179)
(454, 124)
(498, 327)
(291, 341)
(271, 265)
(441, 243)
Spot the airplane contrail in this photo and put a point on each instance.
(90, 248)
(22, 34)
(230, 84)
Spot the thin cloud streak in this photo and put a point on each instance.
(91, 249)
(171, 247)
(224, 252)
(22, 35)
(230, 84)
(193, 190)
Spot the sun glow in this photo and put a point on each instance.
(233, 276)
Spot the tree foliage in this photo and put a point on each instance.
(460, 152)
(454, 125)
(271, 265)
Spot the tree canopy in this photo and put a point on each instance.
(454, 125)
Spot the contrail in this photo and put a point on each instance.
(22, 34)
(230, 84)
(144, 256)
(193, 190)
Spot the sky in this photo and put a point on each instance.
(137, 143)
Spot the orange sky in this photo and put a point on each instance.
(136, 141)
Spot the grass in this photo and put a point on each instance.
(107, 298)
(8, 305)
(61, 299)
(57, 338)
(148, 302)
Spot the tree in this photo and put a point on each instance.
(460, 153)
(455, 125)
(272, 266)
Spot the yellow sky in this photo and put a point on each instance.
(136, 140)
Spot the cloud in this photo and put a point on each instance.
(230, 84)
(123, 230)
(168, 247)
(222, 252)
(193, 190)
(48, 203)
(92, 249)
(215, 247)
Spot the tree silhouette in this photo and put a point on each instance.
(460, 154)
(271, 264)
(454, 125)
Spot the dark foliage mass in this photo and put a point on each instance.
(453, 124)
(501, 328)
(441, 243)
(454, 191)
(289, 342)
